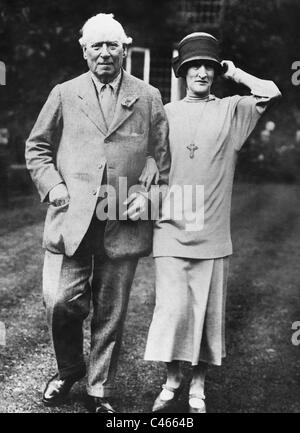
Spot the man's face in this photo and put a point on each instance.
(104, 55)
(199, 78)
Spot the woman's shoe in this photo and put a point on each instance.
(161, 405)
(199, 404)
(102, 405)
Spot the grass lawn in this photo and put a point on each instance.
(262, 370)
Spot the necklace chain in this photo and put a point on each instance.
(192, 147)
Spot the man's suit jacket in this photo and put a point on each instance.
(70, 143)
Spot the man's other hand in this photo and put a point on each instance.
(59, 195)
(149, 174)
(136, 206)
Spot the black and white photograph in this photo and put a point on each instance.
(149, 209)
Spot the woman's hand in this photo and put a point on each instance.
(136, 206)
(149, 174)
(228, 68)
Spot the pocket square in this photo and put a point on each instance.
(136, 134)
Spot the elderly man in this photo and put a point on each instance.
(93, 133)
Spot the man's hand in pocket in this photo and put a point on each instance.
(58, 195)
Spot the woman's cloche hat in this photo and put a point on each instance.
(196, 46)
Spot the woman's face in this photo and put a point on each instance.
(199, 78)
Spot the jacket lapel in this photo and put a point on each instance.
(128, 92)
(89, 102)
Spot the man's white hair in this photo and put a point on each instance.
(105, 25)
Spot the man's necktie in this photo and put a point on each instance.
(107, 105)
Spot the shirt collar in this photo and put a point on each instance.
(114, 84)
(188, 98)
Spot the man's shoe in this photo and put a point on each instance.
(161, 405)
(101, 405)
(57, 389)
(196, 404)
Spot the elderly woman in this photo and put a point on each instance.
(191, 258)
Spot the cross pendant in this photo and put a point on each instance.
(192, 148)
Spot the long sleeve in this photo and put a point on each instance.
(264, 90)
(258, 86)
(42, 144)
(248, 109)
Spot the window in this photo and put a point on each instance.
(138, 63)
(177, 84)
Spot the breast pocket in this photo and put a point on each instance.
(136, 125)
(136, 134)
(131, 132)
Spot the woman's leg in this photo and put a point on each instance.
(174, 374)
(174, 379)
(196, 393)
(198, 379)
(170, 390)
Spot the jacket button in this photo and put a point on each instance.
(100, 166)
(94, 192)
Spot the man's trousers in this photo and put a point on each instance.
(69, 286)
